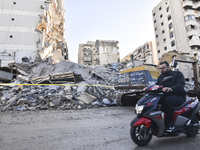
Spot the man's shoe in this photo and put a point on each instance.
(170, 129)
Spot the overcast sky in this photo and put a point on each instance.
(128, 21)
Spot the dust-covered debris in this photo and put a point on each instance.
(94, 87)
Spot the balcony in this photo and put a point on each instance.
(191, 22)
(198, 6)
(194, 43)
(189, 12)
(187, 4)
(192, 32)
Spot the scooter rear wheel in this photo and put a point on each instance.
(193, 131)
(141, 135)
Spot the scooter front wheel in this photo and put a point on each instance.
(141, 135)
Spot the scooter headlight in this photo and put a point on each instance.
(139, 109)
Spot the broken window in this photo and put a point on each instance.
(172, 43)
(169, 17)
(164, 40)
(167, 9)
(170, 25)
(171, 34)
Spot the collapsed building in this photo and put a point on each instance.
(32, 31)
(70, 86)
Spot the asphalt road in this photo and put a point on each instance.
(90, 129)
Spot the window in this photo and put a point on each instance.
(156, 35)
(160, 8)
(171, 34)
(189, 17)
(158, 51)
(163, 31)
(161, 16)
(154, 14)
(191, 27)
(14, 3)
(169, 17)
(162, 23)
(155, 28)
(154, 21)
(167, 9)
(170, 25)
(12, 19)
(164, 40)
(165, 48)
(11, 36)
(172, 43)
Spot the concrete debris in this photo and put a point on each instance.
(86, 98)
(80, 87)
(93, 88)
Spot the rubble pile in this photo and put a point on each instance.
(93, 88)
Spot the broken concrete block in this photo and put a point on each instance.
(67, 89)
(106, 101)
(31, 108)
(81, 88)
(56, 102)
(86, 98)
(51, 104)
(22, 108)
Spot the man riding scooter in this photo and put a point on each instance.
(174, 96)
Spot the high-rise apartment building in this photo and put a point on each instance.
(145, 53)
(177, 27)
(31, 30)
(98, 53)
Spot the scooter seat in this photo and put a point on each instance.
(188, 100)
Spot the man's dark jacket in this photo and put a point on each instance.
(177, 83)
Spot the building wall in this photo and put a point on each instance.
(173, 29)
(146, 53)
(108, 51)
(32, 29)
(98, 53)
(86, 53)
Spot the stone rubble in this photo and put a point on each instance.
(97, 89)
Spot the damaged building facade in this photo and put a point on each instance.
(99, 52)
(31, 31)
(145, 53)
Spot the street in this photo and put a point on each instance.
(104, 128)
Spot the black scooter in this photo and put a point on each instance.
(150, 119)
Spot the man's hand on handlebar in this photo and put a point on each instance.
(166, 89)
